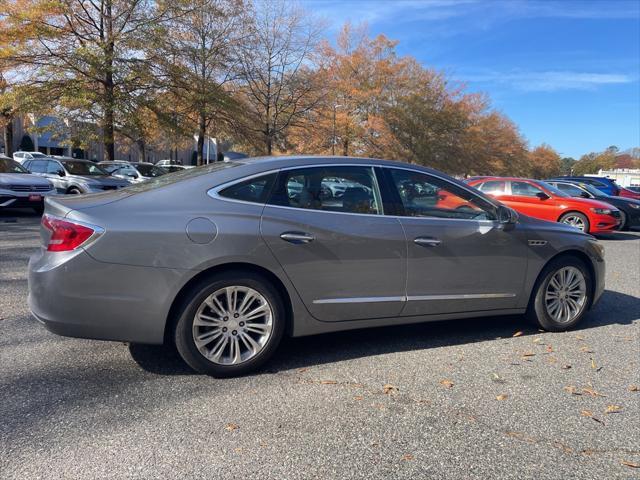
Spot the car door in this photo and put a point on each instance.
(527, 198)
(53, 170)
(344, 257)
(460, 258)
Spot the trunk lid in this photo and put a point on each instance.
(61, 205)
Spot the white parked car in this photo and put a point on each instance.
(22, 156)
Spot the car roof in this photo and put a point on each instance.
(509, 179)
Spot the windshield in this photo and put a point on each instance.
(84, 168)
(554, 190)
(592, 190)
(11, 166)
(149, 170)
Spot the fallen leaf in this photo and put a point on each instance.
(518, 333)
(634, 388)
(497, 378)
(302, 370)
(566, 367)
(231, 427)
(407, 456)
(238, 450)
(446, 383)
(586, 350)
(613, 409)
(579, 337)
(589, 413)
(630, 464)
(593, 364)
(572, 390)
(501, 397)
(389, 389)
(358, 397)
(549, 349)
(528, 354)
(592, 392)
(328, 382)
(537, 340)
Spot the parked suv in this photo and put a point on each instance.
(18, 188)
(73, 176)
(540, 200)
(20, 157)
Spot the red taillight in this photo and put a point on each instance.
(65, 235)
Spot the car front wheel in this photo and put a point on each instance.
(562, 295)
(230, 325)
(576, 219)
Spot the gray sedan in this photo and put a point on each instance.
(224, 260)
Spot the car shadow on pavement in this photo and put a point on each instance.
(614, 308)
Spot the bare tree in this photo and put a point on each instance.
(275, 60)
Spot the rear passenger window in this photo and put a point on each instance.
(492, 187)
(254, 190)
(348, 189)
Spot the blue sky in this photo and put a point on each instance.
(567, 72)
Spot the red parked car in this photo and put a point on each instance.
(540, 200)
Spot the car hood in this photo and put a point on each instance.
(100, 180)
(22, 179)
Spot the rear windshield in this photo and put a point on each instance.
(11, 166)
(178, 176)
(84, 168)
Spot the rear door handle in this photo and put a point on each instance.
(427, 241)
(297, 237)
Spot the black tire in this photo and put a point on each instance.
(624, 223)
(537, 311)
(184, 327)
(583, 217)
(74, 191)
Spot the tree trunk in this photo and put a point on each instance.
(8, 137)
(109, 98)
(142, 148)
(201, 134)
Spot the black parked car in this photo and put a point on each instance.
(70, 175)
(629, 207)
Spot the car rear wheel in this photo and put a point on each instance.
(576, 219)
(563, 294)
(74, 191)
(230, 325)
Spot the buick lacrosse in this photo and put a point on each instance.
(225, 259)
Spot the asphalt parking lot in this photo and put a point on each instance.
(473, 399)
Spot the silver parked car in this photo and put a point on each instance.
(224, 261)
(19, 188)
(134, 172)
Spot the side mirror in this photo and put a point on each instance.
(542, 196)
(507, 216)
(61, 173)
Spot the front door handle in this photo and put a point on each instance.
(297, 237)
(427, 241)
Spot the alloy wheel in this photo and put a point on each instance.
(566, 294)
(232, 325)
(574, 221)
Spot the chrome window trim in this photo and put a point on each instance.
(214, 192)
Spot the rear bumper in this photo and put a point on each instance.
(74, 295)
